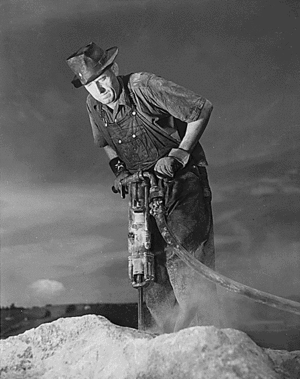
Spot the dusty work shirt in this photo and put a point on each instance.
(150, 118)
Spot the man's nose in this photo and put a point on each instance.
(100, 88)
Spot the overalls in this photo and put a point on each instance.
(179, 297)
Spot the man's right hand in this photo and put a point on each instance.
(117, 187)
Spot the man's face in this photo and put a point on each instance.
(105, 88)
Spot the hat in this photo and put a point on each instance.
(89, 62)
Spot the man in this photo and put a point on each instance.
(145, 122)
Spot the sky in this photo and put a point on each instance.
(63, 232)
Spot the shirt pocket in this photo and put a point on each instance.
(136, 149)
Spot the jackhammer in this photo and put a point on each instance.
(145, 199)
(141, 189)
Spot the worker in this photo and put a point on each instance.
(145, 122)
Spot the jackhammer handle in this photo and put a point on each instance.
(137, 176)
(140, 176)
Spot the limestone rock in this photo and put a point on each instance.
(90, 347)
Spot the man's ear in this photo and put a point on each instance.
(115, 68)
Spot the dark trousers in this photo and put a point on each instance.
(180, 297)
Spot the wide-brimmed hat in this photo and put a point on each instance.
(89, 62)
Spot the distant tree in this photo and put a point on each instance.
(12, 306)
(71, 308)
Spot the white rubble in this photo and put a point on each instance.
(91, 347)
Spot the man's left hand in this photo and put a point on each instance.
(167, 167)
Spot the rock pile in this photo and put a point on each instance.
(90, 347)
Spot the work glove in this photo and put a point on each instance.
(118, 187)
(167, 167)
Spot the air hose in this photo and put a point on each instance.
(252, 293)
(157, 210)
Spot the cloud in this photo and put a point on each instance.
(291, 190)
(262, 190)
(47, 288)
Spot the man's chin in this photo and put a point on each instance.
(106, 100)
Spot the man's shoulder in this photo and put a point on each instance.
(149, 80)
(90, 101)
(140, 79)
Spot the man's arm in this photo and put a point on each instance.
(118, 167)
(179, 157)
(99, 139)
(110, 152)
(196, 128)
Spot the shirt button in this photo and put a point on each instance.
(133, 135)
(134, 113)
(120, 141)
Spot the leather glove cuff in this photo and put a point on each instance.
(181, 155)
(117, 166)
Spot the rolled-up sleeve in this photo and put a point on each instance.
(99, 139)
(178, 101)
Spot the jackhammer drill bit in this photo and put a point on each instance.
(141, 323)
